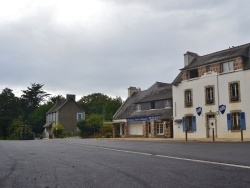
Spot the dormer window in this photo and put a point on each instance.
(193, 73)
(152, 104)
(138, 107)
(168, 103)
(227, 66)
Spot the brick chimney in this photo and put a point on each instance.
(68, 97)
(189, 57)
(132, 90)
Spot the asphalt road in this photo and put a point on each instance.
(112, 163)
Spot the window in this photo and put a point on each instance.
(152, 105)
(138, 107)
(168, 103)
(227, 66)
(208, 68)
(209, 95)
(188, 98)
(79, 116)
(189, 123)
(160, 128)
(193, 73)
(236, 121)
(234, 92)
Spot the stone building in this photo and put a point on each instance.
(210, 95)
(66, 112)
(145, 113)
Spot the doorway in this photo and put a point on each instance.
(211, 126)
(149, 129)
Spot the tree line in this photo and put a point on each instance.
(22, 116)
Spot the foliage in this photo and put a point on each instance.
(53, 99)
(106, 130)
(4, 124)
(37, 118)
(15, 129)
(98, 103)
(31, 98)
(26, 132)
(57, 130)
(90, 126)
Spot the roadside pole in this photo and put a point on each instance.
(241, 133)
(213, 134)
(186, 133)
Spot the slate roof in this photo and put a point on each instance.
(59, 104)
(157, 91)
(238, 51)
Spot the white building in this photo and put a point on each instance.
(212, 93)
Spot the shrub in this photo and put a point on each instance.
(57, 130)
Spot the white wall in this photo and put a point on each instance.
(198, 90)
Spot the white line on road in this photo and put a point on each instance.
(169, 157)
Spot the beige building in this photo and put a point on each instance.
(211, 95)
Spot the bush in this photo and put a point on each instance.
(57, 130)
(106, 130)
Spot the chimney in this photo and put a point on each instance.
(68, 97)
(132, 90)
(189, 57)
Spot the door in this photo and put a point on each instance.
(149, 129)
(211, 126)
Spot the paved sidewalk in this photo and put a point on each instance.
(181, 140)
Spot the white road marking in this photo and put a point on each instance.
(169, 157)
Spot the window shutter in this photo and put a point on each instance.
(184, 123)
(229, 124)
(242, 121)
(194, 123)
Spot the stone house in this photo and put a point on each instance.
(210, 95)
(145, 113)
(65, 112)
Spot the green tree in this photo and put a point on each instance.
(53, 99)
(110, 108)
(15, 129)
(93, 104)
(90, 126)
(32, 98)
(98, 103)
(10, 108)
(37, 119)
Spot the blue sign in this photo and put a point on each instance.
(141, 119)
(199, 111)
(222, 108)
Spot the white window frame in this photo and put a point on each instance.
(210, 95)
(79, 114)
(235, 118)
(188, 98)
(227, 66)
(138, 107)
(159, 128)
(167, 103)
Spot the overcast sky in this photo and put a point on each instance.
(86, 46)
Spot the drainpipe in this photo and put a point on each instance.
(218, 94)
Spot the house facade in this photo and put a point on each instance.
(145, 113)
(210, 95)
(65, 112)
